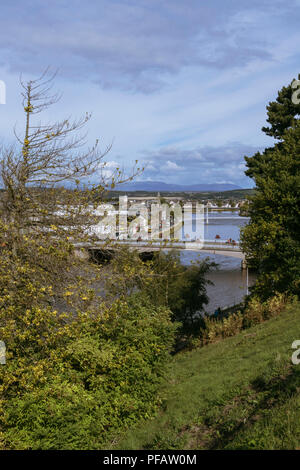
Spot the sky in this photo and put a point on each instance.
(180, 85)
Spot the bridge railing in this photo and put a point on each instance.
(182, 244)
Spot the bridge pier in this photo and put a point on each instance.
(206, 215)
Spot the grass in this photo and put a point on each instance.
(240, 393)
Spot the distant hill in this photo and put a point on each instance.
(161, 187)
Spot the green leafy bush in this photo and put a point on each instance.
(255, 312)
(93, 376)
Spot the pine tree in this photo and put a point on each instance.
(271, 240)
(282, 113)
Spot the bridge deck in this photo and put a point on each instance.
(208, 246)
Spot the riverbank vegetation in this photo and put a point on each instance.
(83, 367)
(79, 366)
(164, 281)
(241, 392)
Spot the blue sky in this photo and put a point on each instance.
(180, 85)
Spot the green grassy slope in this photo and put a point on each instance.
(240, 393)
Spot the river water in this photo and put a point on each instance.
(230, 281)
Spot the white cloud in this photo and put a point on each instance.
(144, 73)
(172, 166)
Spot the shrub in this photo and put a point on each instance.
(164, 280)
(255, 312)
(216, 329)
(73, 383)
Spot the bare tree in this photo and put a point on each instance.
(43, 171)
